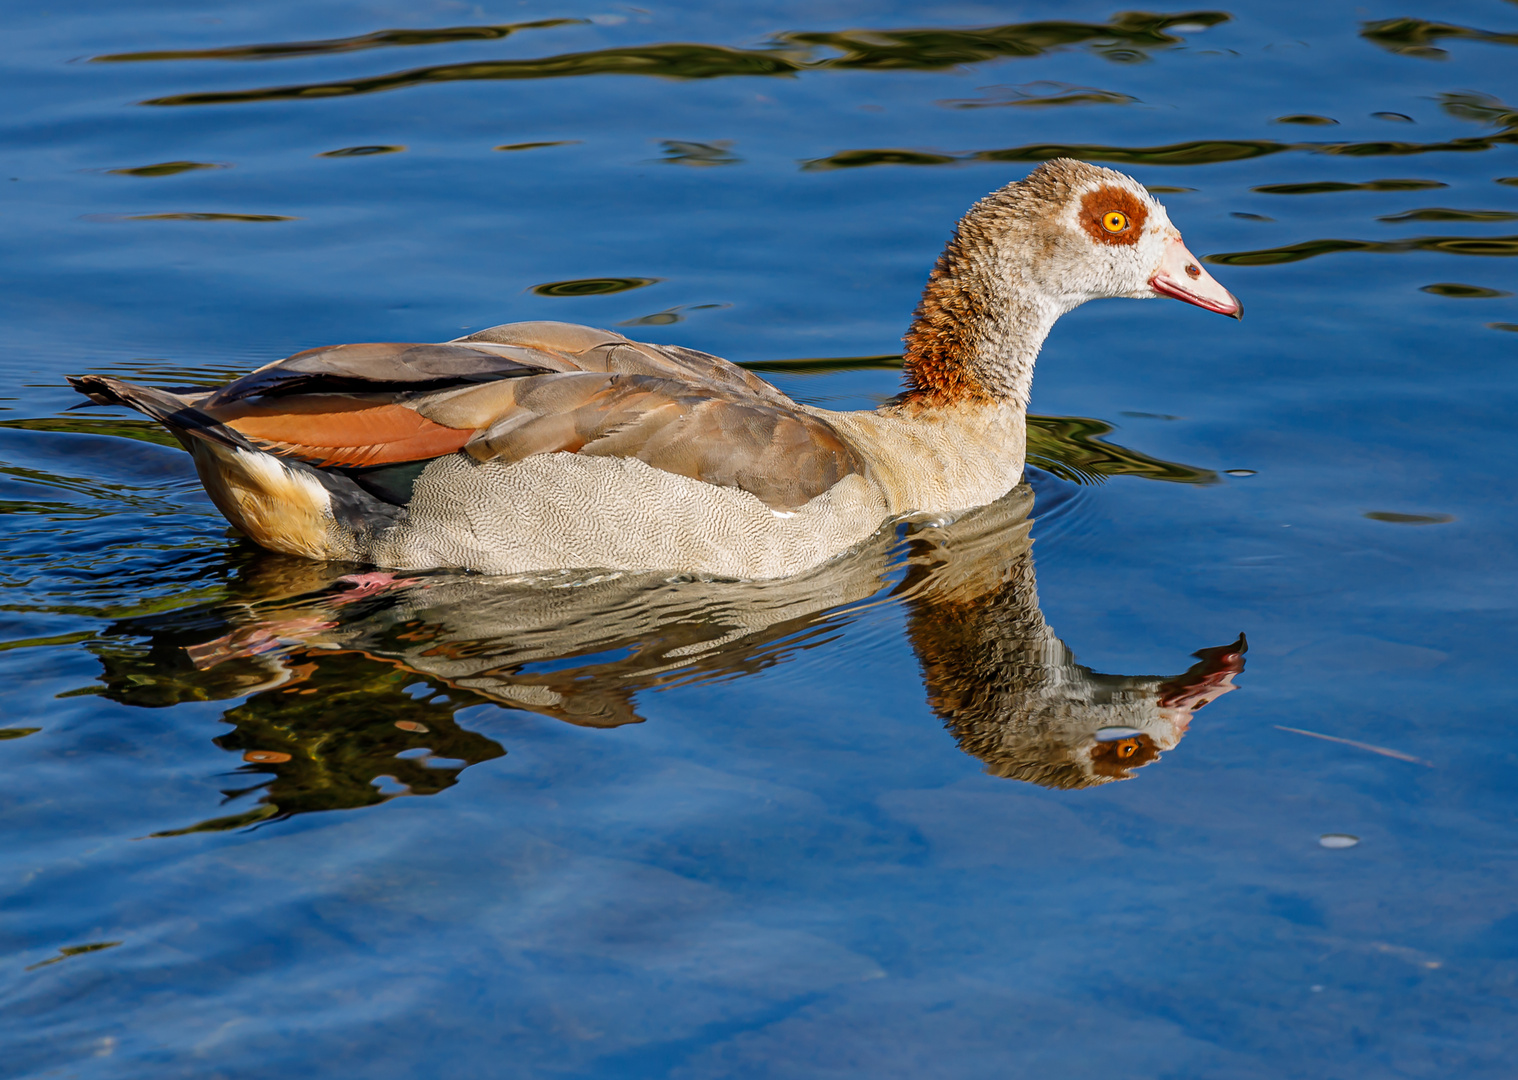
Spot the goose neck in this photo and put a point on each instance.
(978, 329)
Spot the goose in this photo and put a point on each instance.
(537, 446)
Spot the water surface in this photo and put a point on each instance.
(964, 804)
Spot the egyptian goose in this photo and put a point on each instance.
(543, 445)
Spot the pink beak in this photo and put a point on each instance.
(1181, 275)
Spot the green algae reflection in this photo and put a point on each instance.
(74, 950)
(323, 734)
(1467, 105)
(1442, 213)
(1125, 38)
(380, 39)
(1072, 448)
(1201, 152)
(1310, 249)
(167, 168)
(1458, 291)
(1417, 37)
(1327, 187)
(593, 286)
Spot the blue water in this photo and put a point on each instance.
(275, 823)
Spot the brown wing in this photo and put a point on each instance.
(601, 350)
(535, 388)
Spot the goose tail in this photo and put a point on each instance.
(173, 411)
(283, 504)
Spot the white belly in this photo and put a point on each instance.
(567, 511)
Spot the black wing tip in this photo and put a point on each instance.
(100, 389)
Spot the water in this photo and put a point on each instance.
(271, 818)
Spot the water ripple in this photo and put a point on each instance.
(1124, 39)
(380, 39)
(1324, 187)
(1416, 37)
(1309, 249)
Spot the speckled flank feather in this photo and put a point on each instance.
(533, 514)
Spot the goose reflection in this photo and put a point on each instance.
(351, 681)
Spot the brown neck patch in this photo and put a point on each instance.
(941, 343)
(1109, 199)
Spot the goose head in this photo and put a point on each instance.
(1028, 253)
(1098, 233)
(1038, 716)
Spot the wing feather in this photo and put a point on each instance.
(523, 389)
(344, 432)
(374, 366)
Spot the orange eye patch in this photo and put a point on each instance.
(1113, 215)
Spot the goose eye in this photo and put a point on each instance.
(1114, 221)
(1126, 748)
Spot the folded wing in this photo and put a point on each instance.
(537, 388)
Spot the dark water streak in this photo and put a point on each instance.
(380, 39)
(1124, 39)
(1498, 246)
(1039, 95)
(1443, 213)
(1464, 105)
(167, 168)
(1416, 37)
(1325, 187)
(1201, 152)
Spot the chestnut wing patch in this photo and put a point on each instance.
(338, 431)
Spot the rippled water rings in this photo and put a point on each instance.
(167, 168)
(599, 286)
(1464, 292)
(362, 151)
(1409, 519)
